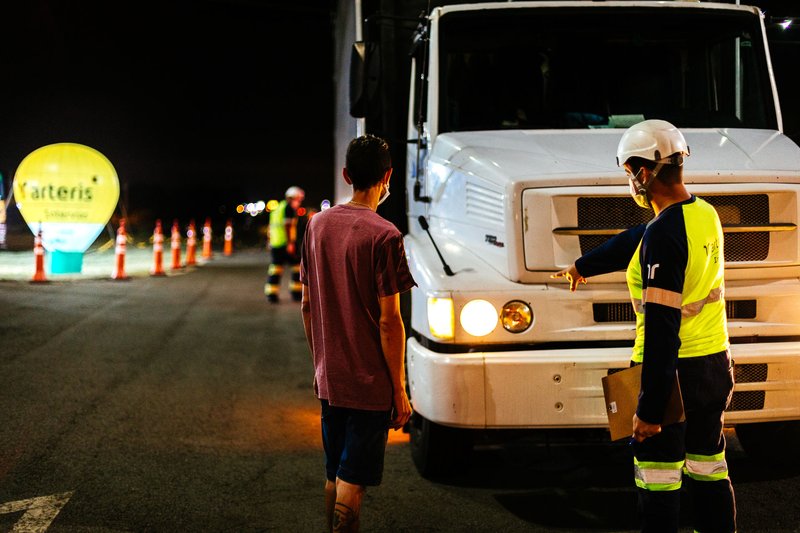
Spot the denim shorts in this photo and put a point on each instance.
(354, 442)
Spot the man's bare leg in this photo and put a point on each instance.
(347, 507)
(330, 502)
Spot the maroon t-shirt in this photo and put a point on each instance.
(351, 256)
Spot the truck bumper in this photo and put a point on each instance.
(562, 388)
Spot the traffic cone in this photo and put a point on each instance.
(207, 253)
(228, 249)
(119, 251)
(158, 251)
(176, 245)
(38, 252)
(191, 245)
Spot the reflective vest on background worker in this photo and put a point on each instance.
(277, 226)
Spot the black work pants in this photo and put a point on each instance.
(695, 447)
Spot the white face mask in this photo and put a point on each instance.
(385, 195)
(639, 191)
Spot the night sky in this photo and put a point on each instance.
(199, 104)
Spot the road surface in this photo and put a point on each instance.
(184, 403)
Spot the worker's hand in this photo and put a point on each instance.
(401, 410)
(290, 248)
(643, 430)
(573, 277)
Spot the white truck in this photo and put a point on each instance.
(514, 113)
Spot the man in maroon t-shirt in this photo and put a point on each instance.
(353, 270)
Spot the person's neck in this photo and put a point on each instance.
(667, 196)
(367, 198)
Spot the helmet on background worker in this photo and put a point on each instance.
(295, 196)
(655, 141)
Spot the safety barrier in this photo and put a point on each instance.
(127, 249)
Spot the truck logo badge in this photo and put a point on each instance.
(492, 239)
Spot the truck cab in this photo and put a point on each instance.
(515, 110)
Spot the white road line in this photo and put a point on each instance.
(39, 512)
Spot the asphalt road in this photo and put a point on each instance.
(184, 404)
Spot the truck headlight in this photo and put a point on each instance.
(516, 316)
(478, 318)
(441, 318)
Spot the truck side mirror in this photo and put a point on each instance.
(364, 76)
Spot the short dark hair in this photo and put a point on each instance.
(669, 174)
(367, 160)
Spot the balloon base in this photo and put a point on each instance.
(66, 262)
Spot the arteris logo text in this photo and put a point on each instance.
(59, 193)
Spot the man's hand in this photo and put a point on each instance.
(643, 430)
(573, 277)
(402, 410)
(290, 248)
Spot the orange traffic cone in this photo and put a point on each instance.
(158, 251)
(228, 249)
(191, 245)
(38, 252)
(207, 253)
(119, 250)
(176, 245)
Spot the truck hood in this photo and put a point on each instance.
(574, 155)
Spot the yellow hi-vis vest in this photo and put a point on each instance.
(704, 327)
(277, 226)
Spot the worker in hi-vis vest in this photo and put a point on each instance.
(283, 238)
(675, 267)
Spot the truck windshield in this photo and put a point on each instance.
(547, 68)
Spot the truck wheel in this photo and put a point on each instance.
(438, 451)
(771, 442)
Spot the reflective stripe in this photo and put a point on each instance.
(665, 297)
(296, 269)
(275, 270)
(295, 286)
(694, 308)
(657, 476)
(660, 296)
(707, 467)
(271, 289)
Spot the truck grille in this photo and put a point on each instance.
(619, 213)
(744, 400)
(752, 400)
(623, 311)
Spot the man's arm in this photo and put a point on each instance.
(393, 339)
(613, 255)
(663, 263)
(305, 308)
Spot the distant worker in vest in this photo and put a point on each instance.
(283, 239)
(674, 268)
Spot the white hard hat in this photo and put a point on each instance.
(654, 140)
(294, 192)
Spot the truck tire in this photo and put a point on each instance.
(438, 451)
(771, 442)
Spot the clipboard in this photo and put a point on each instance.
(621, 392)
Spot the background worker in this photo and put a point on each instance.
(283, 236)
(354, 269)
(675, 267)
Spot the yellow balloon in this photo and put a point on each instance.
(68, 189)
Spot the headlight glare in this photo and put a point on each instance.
(478, 318)
(441, 318)
(517, 316)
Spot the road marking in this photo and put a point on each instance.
(39, 512)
